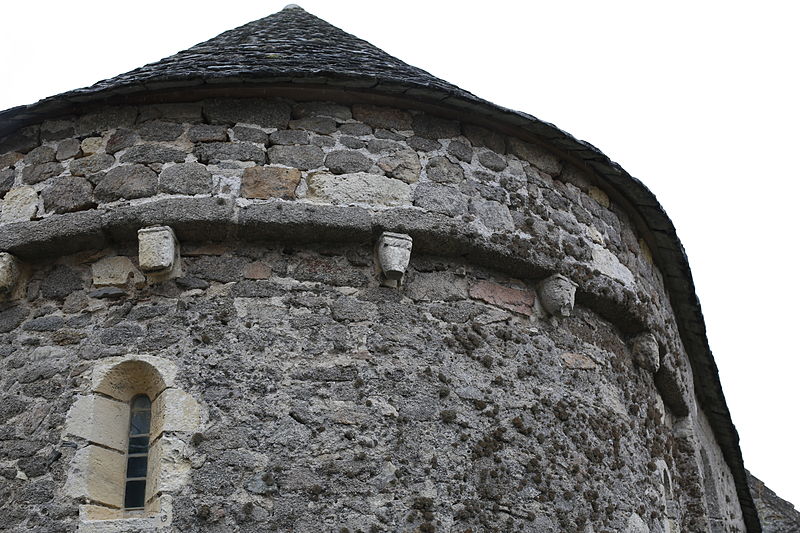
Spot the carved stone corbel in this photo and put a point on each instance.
(394, 253)
(557, 295)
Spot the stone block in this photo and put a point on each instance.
(39, 155)
(9, 273)
(440, 199)
(356, 129)
(128, 182)
(492, 161)
(174, 411)
(208, 133)
(358, 188)
(120, 139)
(435, 286)
(23, 140)
(347, 162)
(494, 215)
(517, 300)
(302, 157)
(479, 136)
(557, 295)
(270, 182)
(269, 114)
(403, 165)
(100, 420)
(432, 127)
(68, 194)
(157, 130)
(538, 157)
(10, 159)
(577, 361)
(157, 249)
(152, 153)
(53, 130)
(216, 152)
(68, 148)
(19, 204)
(254, 135)
(289, 137)
(92, 145)
(39, 172)
(324, 109)
(441, 170)
(116, 271)
(86, 166)
(460, 151)
(186, 178)
(382, 117)
(96, 473)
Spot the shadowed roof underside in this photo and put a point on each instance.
(293, 48)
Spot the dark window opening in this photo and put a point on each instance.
(138, 444)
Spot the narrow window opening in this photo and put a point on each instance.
(138, 444)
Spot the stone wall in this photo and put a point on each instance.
(453, 402)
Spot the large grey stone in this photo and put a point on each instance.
(286, 137)
(61, 282)
(403, 165)
(492, 160)
(460, 150)
(152, 153)
(441, 170)
(432, 127)
(106, 118)
(494, 215)
(186, 178)
(479, 136)
(68, 194)
(40, 172)
(23, 140)
(208, 133)
(382, 117)
(347, 162)
(19, 204)
(323, 125)
(216, 151)
(10, 159)
(325, 109)
(357, 129)
(302, 157)
(270, 182)
(120, 139)
(538, 157)
(270, 114)
(68, 148)
(440, 199)
(128, 182)
(12, 317)
(359, 187)
(41, 154)
(86, 166)
(157, 130)
(253, 135)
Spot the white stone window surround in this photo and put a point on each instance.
(100, 418)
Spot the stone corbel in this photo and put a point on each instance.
(394, 253)
(557, 295)
(10, 275)
(645, 352)
(159, 253)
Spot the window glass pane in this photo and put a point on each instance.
(140, 422)
(137, 467)
(141, 402)
(134, 494)
(137, 444)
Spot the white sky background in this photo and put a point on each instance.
(697, 99)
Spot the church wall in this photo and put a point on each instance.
(452, 402)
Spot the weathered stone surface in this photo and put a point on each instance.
(492, 214)
(435, 286)
(60, 283)
(422, 144)
(492, 161)
(40, 172)
(68, 194)
(106, 118)
(257, 270)
(403, 165)
(19, 204)
(517, 300)
(23, 140)
(302, 157)
(120, 140)
(68, 148)
(557, 295)
(44, 323)
(287, 137)
(42, 154)
(270, 182)
(578, 361)
(352, 142)
(358, 188)
(460, 150)
(269, 114)
(377, 146)
(347, 162)
(92, 145)
(157, 249)
(127, 182)
(179, 112)
(382, 117)
(249, 134)
(7, 178)
(157, 130)
(541, 159)
(9, 274)
(357, 129)
(323, 125)
(208, 133)
(53, 130)
(441, 170)
(432, 127)
(645, 352)
(440, 199)
(10, 159)
(86, 166)
(185, 178)
(215, 152)
(324, 109)
(12, 317)
(479, 136)
(116, 271)
(152, 153)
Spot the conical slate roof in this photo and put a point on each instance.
(294, 49)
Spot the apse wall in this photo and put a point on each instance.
(296, 389)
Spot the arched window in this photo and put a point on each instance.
(138, 446)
